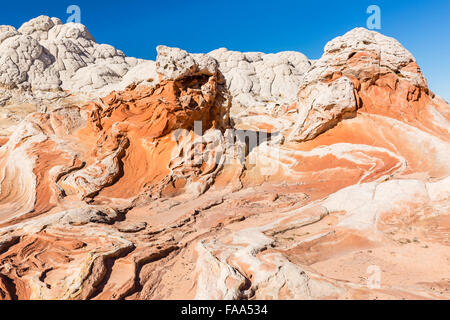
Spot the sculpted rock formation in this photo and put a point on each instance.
(260, 82)
(45, 55)
(44, 63)
(224, 175)
(121, 141)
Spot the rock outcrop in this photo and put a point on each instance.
(224, 175)
(45, 65)
(46, 55)
(124, 138)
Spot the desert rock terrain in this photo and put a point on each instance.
(224, 175)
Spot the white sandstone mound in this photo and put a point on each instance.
(46, 55)
(255, 78)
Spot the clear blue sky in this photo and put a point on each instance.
(137, 27)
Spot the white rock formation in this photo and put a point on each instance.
(255, 78)
(392, 56)
(174, 63)
(44, 54)
(321, 106)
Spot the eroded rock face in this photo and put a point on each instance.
(231, 176)
(361, 68)
(322, 105)
(90, 147)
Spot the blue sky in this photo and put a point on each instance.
(137, 27)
